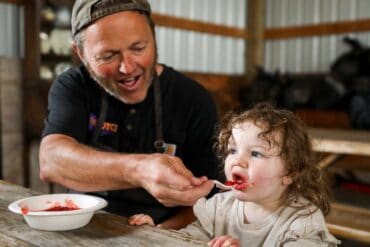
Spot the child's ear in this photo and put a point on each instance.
(287, 180)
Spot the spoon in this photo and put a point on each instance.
(221, 185)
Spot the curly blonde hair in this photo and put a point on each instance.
(295, 150)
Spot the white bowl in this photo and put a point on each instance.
(36, 216)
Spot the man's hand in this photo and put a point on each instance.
(170, 182)
(224, 241)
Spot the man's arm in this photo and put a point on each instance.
(76, 166)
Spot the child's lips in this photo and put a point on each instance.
(239, 184)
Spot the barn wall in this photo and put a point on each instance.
(193, 51)
(312, 54)
(12, 30)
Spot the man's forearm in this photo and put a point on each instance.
(73, 165)
(76, 166)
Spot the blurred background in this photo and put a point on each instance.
(310, 56)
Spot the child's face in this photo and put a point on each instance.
(251, 159)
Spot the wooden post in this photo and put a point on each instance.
(255, 43)
(32, 42)
(31, 71)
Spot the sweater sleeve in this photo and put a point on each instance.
(203, 227)
(195, 230)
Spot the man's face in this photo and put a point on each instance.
(120, 54)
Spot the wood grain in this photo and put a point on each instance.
(349, 222)
(105, 229)
(340, 141)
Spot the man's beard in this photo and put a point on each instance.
(107, 84)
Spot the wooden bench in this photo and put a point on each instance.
(349, 222)
(344, 220)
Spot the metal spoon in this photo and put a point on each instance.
(221, 185)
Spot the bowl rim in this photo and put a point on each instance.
(15, 208)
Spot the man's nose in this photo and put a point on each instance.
(127, 65)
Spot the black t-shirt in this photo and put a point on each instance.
(189, 117)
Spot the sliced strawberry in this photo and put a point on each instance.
(229, 183)
(24, 210)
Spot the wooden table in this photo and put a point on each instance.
(105, 229)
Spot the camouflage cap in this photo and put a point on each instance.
(85, 12)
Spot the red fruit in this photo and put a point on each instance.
(24, 210)
(230, 183)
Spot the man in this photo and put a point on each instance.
(136, 132)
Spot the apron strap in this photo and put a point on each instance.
(159, 144)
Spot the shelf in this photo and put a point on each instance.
(56, 58)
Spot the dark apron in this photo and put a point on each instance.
(133, 201)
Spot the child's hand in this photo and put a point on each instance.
(140, 219)
(224, 241)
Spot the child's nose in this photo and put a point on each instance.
(241, 163)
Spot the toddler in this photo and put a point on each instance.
(279, 196)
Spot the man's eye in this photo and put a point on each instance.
(105, 57)
(257, 154)
(138, 48)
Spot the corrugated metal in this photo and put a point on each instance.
(194, 51)
(11, 26)
(312, 54)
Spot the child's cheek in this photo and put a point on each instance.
(256, 176)
(228, 172)
(227, 167)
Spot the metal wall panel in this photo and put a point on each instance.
(311, 54)
(194, 51)
(12, 29)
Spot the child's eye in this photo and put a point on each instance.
(257, 154)
(231, 151)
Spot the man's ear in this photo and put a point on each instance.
(77, 51)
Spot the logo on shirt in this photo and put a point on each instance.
(107, 128)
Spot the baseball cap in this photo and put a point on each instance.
(85, 12)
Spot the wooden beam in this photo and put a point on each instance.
(198, 26)
(339, 141)
(328, 160)
(20, 2)
(318, 29)
(257, 6)
(255, 45)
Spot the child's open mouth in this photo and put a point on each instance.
(239, 182)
